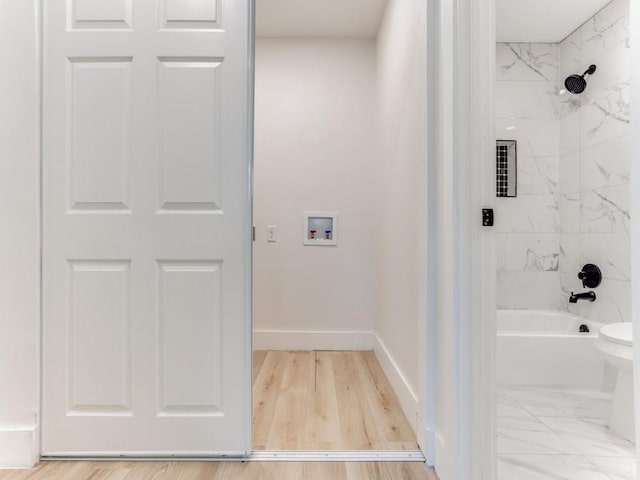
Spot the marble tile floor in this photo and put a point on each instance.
(546, 434)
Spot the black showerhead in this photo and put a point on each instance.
(577, 83)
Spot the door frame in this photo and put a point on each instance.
(634, 206)
(251, 89)
(480, 22)
(461, 420)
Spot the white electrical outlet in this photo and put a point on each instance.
(272, 233)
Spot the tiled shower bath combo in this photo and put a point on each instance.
(571, 209)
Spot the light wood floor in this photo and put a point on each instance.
(325, 401)
(220, 471)
(302, 401)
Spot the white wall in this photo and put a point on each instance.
(401, 248)
(315, 149)
(19, 250)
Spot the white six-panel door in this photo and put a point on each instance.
(146, 227)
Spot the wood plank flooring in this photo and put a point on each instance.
(325, 400)
(302, 401)
(221, 471)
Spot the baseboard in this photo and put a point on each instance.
(445, 461)
(312, 340)
(19, 447)
(426, 439)
(406, 396)
(430, 450)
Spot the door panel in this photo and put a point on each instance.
(146, 227)
(99, 340)
(194, 287)
(100, 145)
(189, 14)
(190, 132)
(101, 13)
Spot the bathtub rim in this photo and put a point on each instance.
(594, 325)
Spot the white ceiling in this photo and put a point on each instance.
(542, 20)
(517, 20)
(318, 18)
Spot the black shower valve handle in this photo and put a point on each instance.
(590, 275)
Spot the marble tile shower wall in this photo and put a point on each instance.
(573, 169)
(528, 225)
(594, 164)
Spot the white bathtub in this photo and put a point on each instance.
(546, 348)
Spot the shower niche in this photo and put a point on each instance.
(506, 168)
(320, 228)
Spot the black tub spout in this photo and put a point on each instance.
(590, 296)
